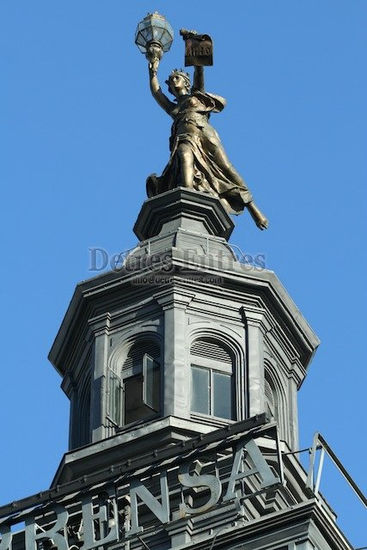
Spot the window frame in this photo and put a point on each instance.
(236, 345)
(156, 364)
(119, 419)
(114, 410)
(140, 370)
(272, 407)
(214, 370)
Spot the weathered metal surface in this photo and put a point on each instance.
(198, 49)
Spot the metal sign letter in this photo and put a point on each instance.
(160, 510)
(197, 480)
(6, 537)
(107, 533)
(59, 539)
(260, 467)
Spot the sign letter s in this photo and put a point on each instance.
(198, 480)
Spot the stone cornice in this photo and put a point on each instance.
(261, 293)
(171, 297)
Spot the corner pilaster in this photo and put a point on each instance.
(176, 392)
(100, 329)
(255, 329)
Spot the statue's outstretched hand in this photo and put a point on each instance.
(185, 33)
(154, 55)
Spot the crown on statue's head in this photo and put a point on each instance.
(179, 72)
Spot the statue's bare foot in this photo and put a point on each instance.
(262, 223)
(258, 217)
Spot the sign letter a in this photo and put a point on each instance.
(260, 467)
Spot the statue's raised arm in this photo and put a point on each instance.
(197, 160)
(198, 83)
(154, 55)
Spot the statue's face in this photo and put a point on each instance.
(177, 84)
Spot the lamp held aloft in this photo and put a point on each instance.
(154, 34)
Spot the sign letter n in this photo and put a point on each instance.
(261, 467)
(161, 510)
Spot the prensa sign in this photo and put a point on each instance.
(175, 484)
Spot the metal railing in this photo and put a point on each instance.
(313, 481)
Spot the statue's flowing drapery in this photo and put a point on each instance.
(213, 173)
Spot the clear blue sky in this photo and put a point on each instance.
(80, 133)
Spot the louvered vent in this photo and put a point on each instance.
(138, 350)
(211, 350)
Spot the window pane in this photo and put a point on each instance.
(114, 397)
(134, 407)
(222, 395)
(156, 383)
(152, 386)
(200, 390)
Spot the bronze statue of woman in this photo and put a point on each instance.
(198, 160)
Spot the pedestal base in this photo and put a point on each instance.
(186, 209)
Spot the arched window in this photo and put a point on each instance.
(271, 401)
(212, 379)
(135, 392)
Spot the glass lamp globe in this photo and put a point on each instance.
(154, 28)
